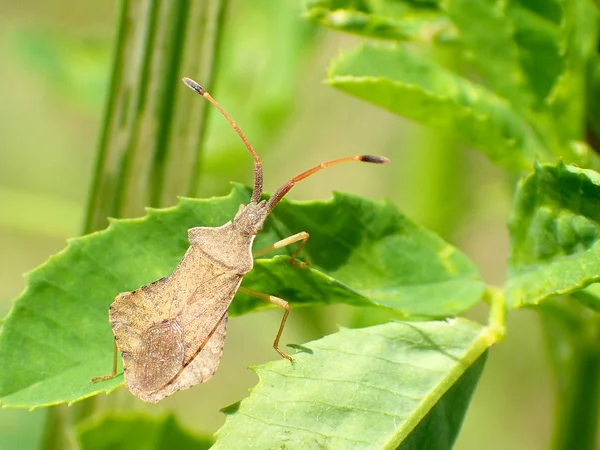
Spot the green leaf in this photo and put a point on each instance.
(536, 30)
(368, 387)
(384, 20)
(571, 332)
(541, 52)
(57, 335)
(410, 85)
(554, 230)
(522, 38)
(370, 248)
(593, 106)
(488, 34)
(137, 432)
(440, 427)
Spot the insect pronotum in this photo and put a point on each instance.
(171, 332)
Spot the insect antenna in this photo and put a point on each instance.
(258, 172)
(280, 193)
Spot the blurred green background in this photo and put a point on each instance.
(55, 66)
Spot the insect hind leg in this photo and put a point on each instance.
(113, 374)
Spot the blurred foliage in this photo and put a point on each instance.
(264, 64)
(512, 79)
(122, 432)
(75, 68)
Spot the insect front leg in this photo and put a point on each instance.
(301, 237)
(278, 302)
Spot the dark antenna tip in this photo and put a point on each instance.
(193, 85)
(374, 159)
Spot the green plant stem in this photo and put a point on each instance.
(573, 336)
(153, 126)
(577, 402)
(100, 200)
(496, 298)
(54, 437)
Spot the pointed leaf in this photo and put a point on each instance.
(410, 85)
(368, 387)
(57, 335)
(554, 230)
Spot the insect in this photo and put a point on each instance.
(171, 332)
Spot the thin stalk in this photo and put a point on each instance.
(577, 403)
(55, 434)
(572, 334)
(153, 128)
(211, 63)
(100, 202)
(496, 298)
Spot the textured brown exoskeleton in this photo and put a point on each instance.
(171, 332)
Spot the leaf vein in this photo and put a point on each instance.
(380, 358)
(353, 382)
(296, 427)
(342, 407)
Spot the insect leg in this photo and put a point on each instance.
(114, 369)
(278, 302)
(301, 237)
